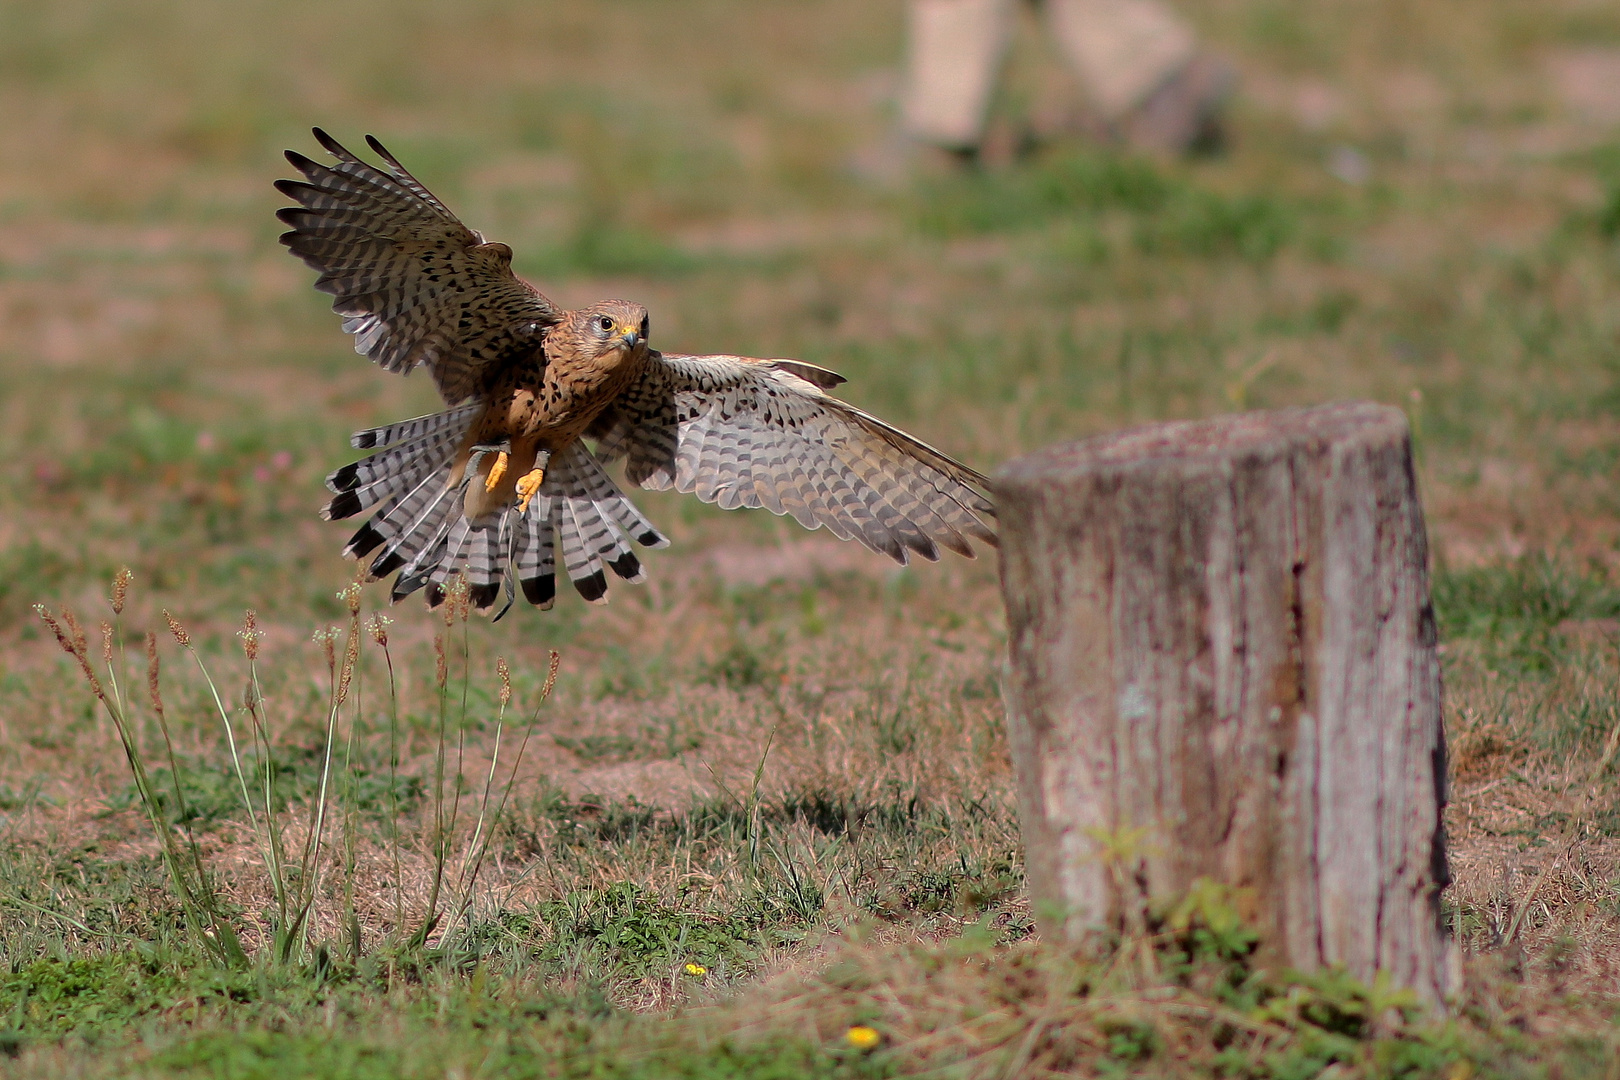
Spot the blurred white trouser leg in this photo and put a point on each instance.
(1123, 50)
(956, 48)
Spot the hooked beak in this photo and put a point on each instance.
(631, 339)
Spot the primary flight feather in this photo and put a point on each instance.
(502, 486)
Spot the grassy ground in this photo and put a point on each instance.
(781, 761)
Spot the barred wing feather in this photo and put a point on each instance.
(740, 432)
(415, 286)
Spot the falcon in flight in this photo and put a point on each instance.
(502, 484)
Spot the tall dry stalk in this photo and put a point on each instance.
(455, 610)
(377, 627)
(473, 860)
(192, 884)
(296, 870)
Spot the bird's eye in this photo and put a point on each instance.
(606, 324)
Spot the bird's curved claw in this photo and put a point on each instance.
(527, 485)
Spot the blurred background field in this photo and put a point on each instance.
(1419, 204)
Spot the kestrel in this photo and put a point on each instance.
(500, 483)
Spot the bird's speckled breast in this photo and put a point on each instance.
(573, 392)
(534, 407)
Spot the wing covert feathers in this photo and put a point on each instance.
(415, 286)
(739, 432)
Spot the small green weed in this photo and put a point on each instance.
(211, 793)
(625, 932)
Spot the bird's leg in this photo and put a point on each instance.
(529, 483)
(471, 460)
(478, 498)
(496, 471)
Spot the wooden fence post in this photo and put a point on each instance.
(1220, 641)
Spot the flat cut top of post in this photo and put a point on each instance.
(1216, 439)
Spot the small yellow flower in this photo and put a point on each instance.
(697, 971)
(862, 1037)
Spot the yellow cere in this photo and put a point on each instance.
(862, 1037)
(696, 970)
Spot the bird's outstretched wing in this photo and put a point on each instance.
(414, 285)
(742, 432)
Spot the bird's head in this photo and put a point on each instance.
(610, 326)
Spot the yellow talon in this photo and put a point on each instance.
(496, 471)
(527, 485)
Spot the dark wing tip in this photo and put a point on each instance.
(344, 479)
(345, 505)
(435, 595)
(483, 597)
(652, 538)
(592, 587)
(331, 145)
(364, 440)
(627, 566)
(386, 564)
(393, 162)
(404, 586)
(814, 374)
(925, 548)
(540, 591)
(365, 540)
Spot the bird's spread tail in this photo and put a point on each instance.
(420, 531)
(580, 510)
(411, 451)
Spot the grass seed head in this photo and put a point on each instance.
(505, 675)
(153, 693)
(457, 602)
(106, 642)
(80, 649)
(56, 628)
(177, 630)
(351, 655)
(324, 636)
(377, 626)
(250, 634)
(71, 638)
(551, 675)
(120, 591)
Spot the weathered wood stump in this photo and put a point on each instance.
(1220, 633)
